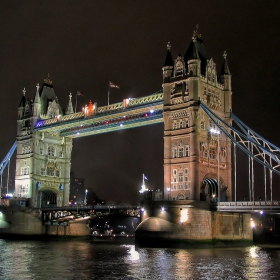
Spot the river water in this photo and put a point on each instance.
(95, 259)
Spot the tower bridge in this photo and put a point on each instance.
(195, 106)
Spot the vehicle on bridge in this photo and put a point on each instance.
(113, 225)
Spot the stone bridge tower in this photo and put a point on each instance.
(196, 161)
(43, 159)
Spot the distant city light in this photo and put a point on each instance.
(151, 111)
(162, 209)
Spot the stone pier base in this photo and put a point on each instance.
(187, 223)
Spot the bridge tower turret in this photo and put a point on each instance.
(43, 159)
(197, 164)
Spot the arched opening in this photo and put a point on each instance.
(181, 197)
(48, 198)
(209, 190)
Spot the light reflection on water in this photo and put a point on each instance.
(26, 260)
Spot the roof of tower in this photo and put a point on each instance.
(23, 99)
(196, 50)
(47, 94)
(225, 68)
(168, 59)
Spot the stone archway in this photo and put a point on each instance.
(209, 189)
(181, 197)
(48, 198)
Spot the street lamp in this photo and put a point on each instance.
(85, 202)
(217, 132)
(168, 193)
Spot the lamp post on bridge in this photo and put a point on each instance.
(168, 193)
(217, 132)
(86, 192)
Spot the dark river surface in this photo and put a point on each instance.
(95, 259)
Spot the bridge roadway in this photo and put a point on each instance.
(127, 114)
(51, 213)
(231, 206)
(90, 207)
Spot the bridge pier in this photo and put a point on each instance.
(191, 223)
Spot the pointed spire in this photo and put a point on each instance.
(168, 59)
(70, 106)
(196, 34)
(37, 95)
(48, 81)
(225, 68)
(23, 99)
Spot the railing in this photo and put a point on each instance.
(249, 203)
(134, 102)
(246, 206)
(88, 207)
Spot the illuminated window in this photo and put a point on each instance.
(174, 152)
(25, 170)
(50, 171)
(202, 125)
(51, 151)
(187, 151)
(179, 68)
(212, 153)
(181, 152)
(212, 124)
(181, 177)
(181, 124)
(204, 152)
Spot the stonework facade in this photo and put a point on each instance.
(43, 160)
(196, 161)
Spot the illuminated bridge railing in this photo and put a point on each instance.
(247, 206)
(90, 207)
(112, 108)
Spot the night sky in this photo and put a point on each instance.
(85, 44)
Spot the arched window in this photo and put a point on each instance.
(212, 153)
(43, 171)
(179, 68)
(51, 151)
(174, 152)
(25, 170)
(187, 151)
(50, 171)
(57, 173)
(181, 152)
